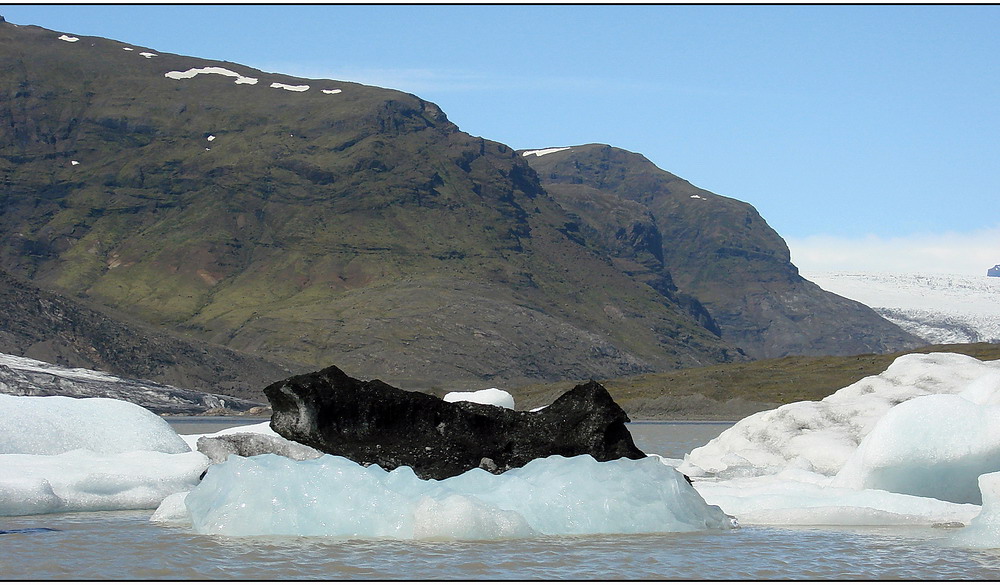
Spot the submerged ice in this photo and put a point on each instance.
(332, 496)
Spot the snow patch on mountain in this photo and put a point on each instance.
(277, 85)
(940, 308)
(190, 73)
(544, 151)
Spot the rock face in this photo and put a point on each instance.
(714, 253)
(374, 423)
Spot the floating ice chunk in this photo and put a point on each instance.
(984, 530)
(544, 151)
(86, 481)
(333, 496)
(277, 85)
(49, 425)
(331, 91)
(22, 496)
(821, 436)
(493, 396)
(172, 510)
(148, 55)
(933, 446)
(803, 498)
(194, 71)
(68, 38)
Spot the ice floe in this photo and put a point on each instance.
(194, 71)
(277, 85)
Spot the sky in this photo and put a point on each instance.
(867, 136)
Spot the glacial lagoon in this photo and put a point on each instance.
(125, 545)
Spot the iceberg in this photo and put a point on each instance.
(907, 446)
(932, 446)
(821, 436)
(49, 425)
(333, 496)
(61, 454)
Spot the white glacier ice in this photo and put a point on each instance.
(820, 436)
(932, 446)
(493, 396)
(903, 447)
(984, 529)
(941, 308)
(60, 454)
(332, 496)
(49, 425)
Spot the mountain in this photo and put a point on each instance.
(718, 250)
(52, 328)
(304, 223)
(941, 308)
(308, 221)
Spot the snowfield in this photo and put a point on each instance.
(940, 308)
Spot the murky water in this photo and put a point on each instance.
(126, 546)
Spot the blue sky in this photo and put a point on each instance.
(867, 136)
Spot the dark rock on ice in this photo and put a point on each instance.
(217, 449)
(375, 423)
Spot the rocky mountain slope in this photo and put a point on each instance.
(52, 328)
(311, 221)
(715, 249)
(26, 377)
(941, 308)
(319, 222)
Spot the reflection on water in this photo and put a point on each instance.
(126, 546)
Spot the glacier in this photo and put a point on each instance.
(940, 308)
